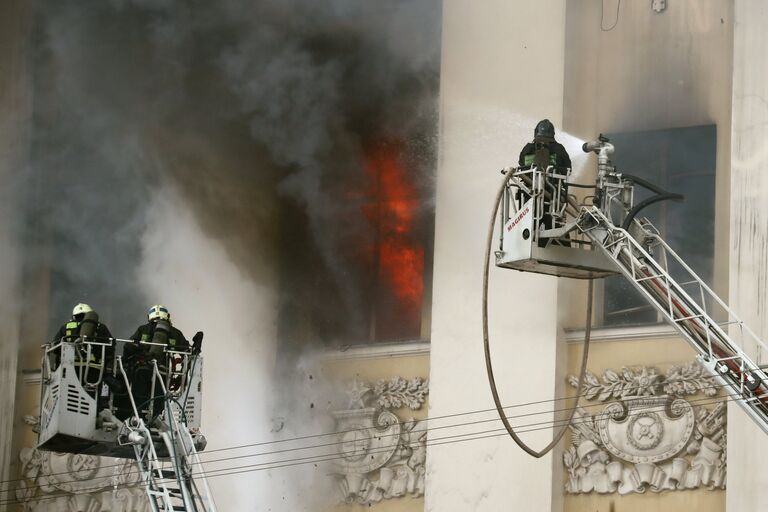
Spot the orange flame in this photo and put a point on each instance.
(394, 214)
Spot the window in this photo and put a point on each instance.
(679, 160)
(363, 275)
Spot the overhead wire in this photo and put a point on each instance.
(331, 457)
(400, 423)
(589, 419)
(543, 425)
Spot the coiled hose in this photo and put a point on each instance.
(486, 345)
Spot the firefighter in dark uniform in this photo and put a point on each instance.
(543, 152)
(85, 327)
(70, 331)
(159, 336)
(159, 329)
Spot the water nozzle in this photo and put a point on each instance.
(602, 144)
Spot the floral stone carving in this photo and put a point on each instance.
(381, 456)
(64, 482)
(649, 437)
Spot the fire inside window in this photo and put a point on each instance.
(397, 246)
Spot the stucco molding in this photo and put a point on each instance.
(62, 482)
(649, 436)
(379, 351)
(381, 455)
(622, 334)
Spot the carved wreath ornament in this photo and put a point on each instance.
(644, 381)
(381, 455)
(650, 436)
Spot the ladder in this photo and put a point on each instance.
(178, 483)
(724, 344)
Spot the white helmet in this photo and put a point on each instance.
(81, 309)
(158, 312)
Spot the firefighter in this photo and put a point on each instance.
(70, 331)
(544, 151)
(159, 329)
(94, 352)
(158, 335)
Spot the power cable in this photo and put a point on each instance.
(401, 423)
(315, 459)
(706, 399)
(338, 432)
(543, 424)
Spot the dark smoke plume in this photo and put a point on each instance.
(258, 112)
(260, 117)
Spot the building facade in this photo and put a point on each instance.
(679, 87)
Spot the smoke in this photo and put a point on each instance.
(209, 156)
(233, 101)
(579, 160)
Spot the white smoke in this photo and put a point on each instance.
(579, 160)
(194, 277)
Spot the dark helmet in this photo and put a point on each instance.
(545, 129)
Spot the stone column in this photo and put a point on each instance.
(502, 71)
(14, 117)
(747, 444)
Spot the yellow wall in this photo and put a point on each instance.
(342, 370)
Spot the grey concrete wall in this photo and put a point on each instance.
(498, 78)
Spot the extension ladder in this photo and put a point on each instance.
(178, 483)
(724, 344)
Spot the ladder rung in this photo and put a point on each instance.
(688, 318)
(650, 277)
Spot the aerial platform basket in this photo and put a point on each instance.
(153, 417)
(80, 413)
(538, 232)
(544, 229)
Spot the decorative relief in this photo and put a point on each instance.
(57, 482)
(652, 437)
(381, 455)
(399, 392)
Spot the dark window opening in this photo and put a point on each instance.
(364, 275)
(679, 160)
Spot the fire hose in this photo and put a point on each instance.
(486, 345)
